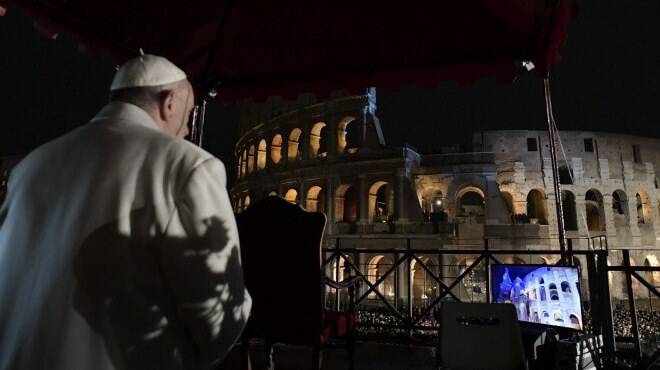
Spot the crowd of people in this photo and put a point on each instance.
(380, 324)
(648, 323)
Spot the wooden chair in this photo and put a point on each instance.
(281, 257)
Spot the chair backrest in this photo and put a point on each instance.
(480, 336)
(281, 257)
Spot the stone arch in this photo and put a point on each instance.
(536, 206)
(620, 208)
(653, 277)
(635, 282)
(565, 174)
(276, 149)
(643, 208)
(347, 203)
(250, 159)
(291, 196)
(508, 201)
(346, 132)
(470, 201)
(315, 140)
(376, 268)
(424, 287)
(594, 210)
(547, 260)
(244, 162)
(343, 266)
(513, 260)
(568, 210)
(437, 202)
(294, 146)
(261, 155)
(380, 200)
(315, 201)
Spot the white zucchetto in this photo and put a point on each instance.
(146, 70)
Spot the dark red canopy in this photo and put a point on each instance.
(261, 48)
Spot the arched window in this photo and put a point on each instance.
(620, 208)
(554, 295)
(565, 287)
(261, 155)
(347, 203)
(348, 135)
(377, 267)
(653, 277)
(315, 199)
(250, 164)
(594, 210)
(291, 196)
(536, 207)
(246, 202)
(315, 140)
(380, 198)
(294, 148)
(438, 202)
(471, 204)
(543, 298)
(276, 149)
(569, 212)
(508, 201)
(643, 209)
(244, 162)
(424, 287)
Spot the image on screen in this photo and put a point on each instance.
(548, 295)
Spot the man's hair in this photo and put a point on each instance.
(145, 97)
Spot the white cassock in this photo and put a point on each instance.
(119, 250)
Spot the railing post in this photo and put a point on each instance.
(604, 303)
(631, 303)
(487, 259)
(338, 257)
(410, 279)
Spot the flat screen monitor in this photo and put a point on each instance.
(542, 294)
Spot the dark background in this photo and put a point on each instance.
(606, 81)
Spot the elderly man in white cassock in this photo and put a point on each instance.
(118, 245)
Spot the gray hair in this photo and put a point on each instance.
(146, 97)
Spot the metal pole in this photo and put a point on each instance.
(338, 256)
(631, 304)
(410, 280)
(202, 120)
(604, 303)
(555, 169)
(487, 260)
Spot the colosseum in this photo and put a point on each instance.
(331, 156)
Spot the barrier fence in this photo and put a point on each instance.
(403, 287)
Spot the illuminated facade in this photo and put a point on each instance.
(331, 156)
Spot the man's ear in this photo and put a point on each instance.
(166, 104)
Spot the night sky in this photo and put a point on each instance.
(607, 80)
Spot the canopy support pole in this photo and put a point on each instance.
(552, 136)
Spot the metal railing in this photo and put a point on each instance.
(412, 314)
